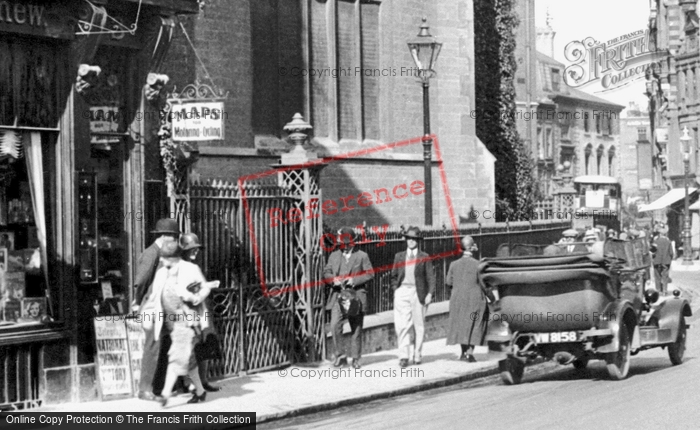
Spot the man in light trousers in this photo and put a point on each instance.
(413, 281)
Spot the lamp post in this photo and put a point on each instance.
(425, 50)
(687, 247)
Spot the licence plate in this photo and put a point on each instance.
(556, 337)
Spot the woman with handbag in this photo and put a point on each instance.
(182, 290)
(208, 348)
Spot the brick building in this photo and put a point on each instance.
(562, 124)
(673, 89)
(346, 68)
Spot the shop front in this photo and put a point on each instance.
(79, 116)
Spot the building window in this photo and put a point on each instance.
(610, 124)
(556, 79)
(540, 144)
(548, 143)
(357, 46)
(586, 122)
(598, 119)
(611, 161)
(641, 134)
(599, 159)
(587, 159)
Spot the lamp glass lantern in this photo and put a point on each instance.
(425, 50)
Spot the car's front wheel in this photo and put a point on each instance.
(618, 363)
(677, 349)
(512, 371)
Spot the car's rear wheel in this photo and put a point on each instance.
(511, 371)
(677, 349)
(580, 363)
(618, 363)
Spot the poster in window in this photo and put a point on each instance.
(112, 358)
(15, 261)
(15, 287)
(33, 310)
(7, 240)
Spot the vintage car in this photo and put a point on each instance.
(580, 306)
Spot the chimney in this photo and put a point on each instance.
(545, 38)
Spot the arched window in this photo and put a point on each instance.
(587, 159)
(611, 161)
(599, 158)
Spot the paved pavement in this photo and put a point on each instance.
(304, 389)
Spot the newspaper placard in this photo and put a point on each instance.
(136, 337)
(112, 357)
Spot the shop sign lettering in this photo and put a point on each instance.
(192, 122)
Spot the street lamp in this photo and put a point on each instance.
(687, 247)
(425, 50)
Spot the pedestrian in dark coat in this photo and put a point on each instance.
(347, 272)
(468, 302)
(155, 359)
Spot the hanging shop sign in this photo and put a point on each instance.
(197, 121)
(48, 19)
(103, 121)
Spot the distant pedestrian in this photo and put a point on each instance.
(468, 302)
(413, 282)
(347, 272)
(663, 257)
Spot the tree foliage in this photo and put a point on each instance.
(495, 65)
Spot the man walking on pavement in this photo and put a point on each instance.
(153, 363)
(347, 271)
(662, 260)
(413, 282)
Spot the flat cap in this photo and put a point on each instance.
(570, 233)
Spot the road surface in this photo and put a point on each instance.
(655, 395)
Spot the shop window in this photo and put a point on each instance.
(100, 187)
(25, 202)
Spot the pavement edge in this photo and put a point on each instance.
(481, 373)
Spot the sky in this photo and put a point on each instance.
(602, 20)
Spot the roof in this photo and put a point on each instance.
(595, 179)
(666, 200)
(566, 91)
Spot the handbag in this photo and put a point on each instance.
(208, 348)
(350, 304)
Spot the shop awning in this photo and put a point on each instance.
(666, 200)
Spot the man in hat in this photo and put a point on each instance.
(347, 268)
(153, 363)
(567, 242)
(413, 281)
(663, 257)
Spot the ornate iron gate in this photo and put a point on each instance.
(245, 251)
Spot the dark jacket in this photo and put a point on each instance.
(424, 273)
(359, 263)
(664, 251)
(145, 272)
